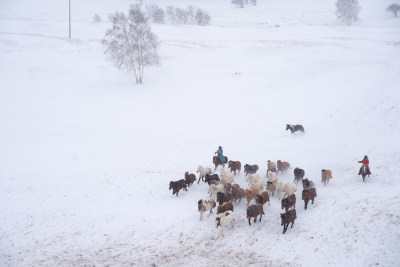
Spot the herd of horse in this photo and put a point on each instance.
(227, 193)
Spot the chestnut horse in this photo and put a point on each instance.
(217, 162)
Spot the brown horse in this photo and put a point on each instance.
(217, 162)
(235, 166)
(364, 172)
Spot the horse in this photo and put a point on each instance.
(294, 128)
(298, 175)
(217, 162)
(364, 172)
(235, 166)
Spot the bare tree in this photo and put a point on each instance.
(170, 10)
(394, 8)
(202, 17)
(181, 16)
(347, 10)
(191, 14)
(156, 14)
(130, 43)
(238, 3)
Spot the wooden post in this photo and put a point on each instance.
(69, 19)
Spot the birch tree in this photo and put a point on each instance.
(130, 44)
(347, 10)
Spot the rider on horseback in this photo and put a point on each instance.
(365, 162)
(220, 154)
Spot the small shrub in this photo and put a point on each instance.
(97, 18)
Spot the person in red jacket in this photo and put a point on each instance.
(365, 162)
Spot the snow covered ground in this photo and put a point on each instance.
(87, 155)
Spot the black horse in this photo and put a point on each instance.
(294, 128)
(250, 169)
(298, 175)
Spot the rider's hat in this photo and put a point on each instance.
(365, 156)
(219, 146)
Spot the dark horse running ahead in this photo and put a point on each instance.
(294, 128)
(217, 162)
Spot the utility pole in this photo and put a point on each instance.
(69, 19)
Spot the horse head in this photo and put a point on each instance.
(283, 217)
(215, 158)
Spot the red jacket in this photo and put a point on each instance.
(364, 162)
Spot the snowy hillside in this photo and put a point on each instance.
(87, 155)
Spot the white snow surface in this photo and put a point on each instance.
(87, 155)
